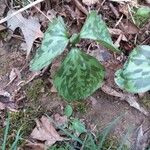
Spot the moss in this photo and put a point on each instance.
(25, 119)
(114, 144)
(80, 107)
(33, 90)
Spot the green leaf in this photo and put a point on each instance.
(134, 77)
(68, 111)
(78, 126)
(142, 15)
(95, 29)
(54, 42)
(6, 132)
(79, 76)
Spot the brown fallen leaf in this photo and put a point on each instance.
(30, 28)
(142, 138)
(129, 98)
(2, 106)
(44, 131)
(15, 73)
(148, 1)
(129, 28)
(2, 28)
(114, 31)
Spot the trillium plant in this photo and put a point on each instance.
(81, 74)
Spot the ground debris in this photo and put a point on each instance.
(45, 131)
(30, 28)
(6, 101)
(129, 98)
(89, 2)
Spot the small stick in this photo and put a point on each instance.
(114, 10)
(129, 9)
(40, 11)
(80, 7)
(20, 10)
(119, 21)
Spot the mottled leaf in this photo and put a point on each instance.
(79, 76)
(54, 42)
(95, 29)
(134, 77)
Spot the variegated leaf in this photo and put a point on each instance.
(95, 29)
(54, 42)
(134, 77)
(79, 76)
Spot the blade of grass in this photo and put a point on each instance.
(107, 131)
(125, 138)
(18, 137)
(6, 133)
(90, 143)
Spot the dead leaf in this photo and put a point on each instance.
(148, 1)
(120, 38)
(30, 28)
(141, 140)
(2, 27)
(132, 100)
(114, 31)
(89, 2)
(124, 10)
(2, 8)
(2, 106)
(44, 131)
(129, 28)
(14, 74)
(53, 89)
(60, 120)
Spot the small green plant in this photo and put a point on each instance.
(141, 15)
(14, 145)
(81, 74)
(87, 141)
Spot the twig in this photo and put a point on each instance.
(40, 12)
(20, 10)
(130, 11)
(114, 10)
(80, 7)
(103, 2)
(118, 22)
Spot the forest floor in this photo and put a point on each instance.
(38, 96)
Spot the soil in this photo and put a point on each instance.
(100, 107)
